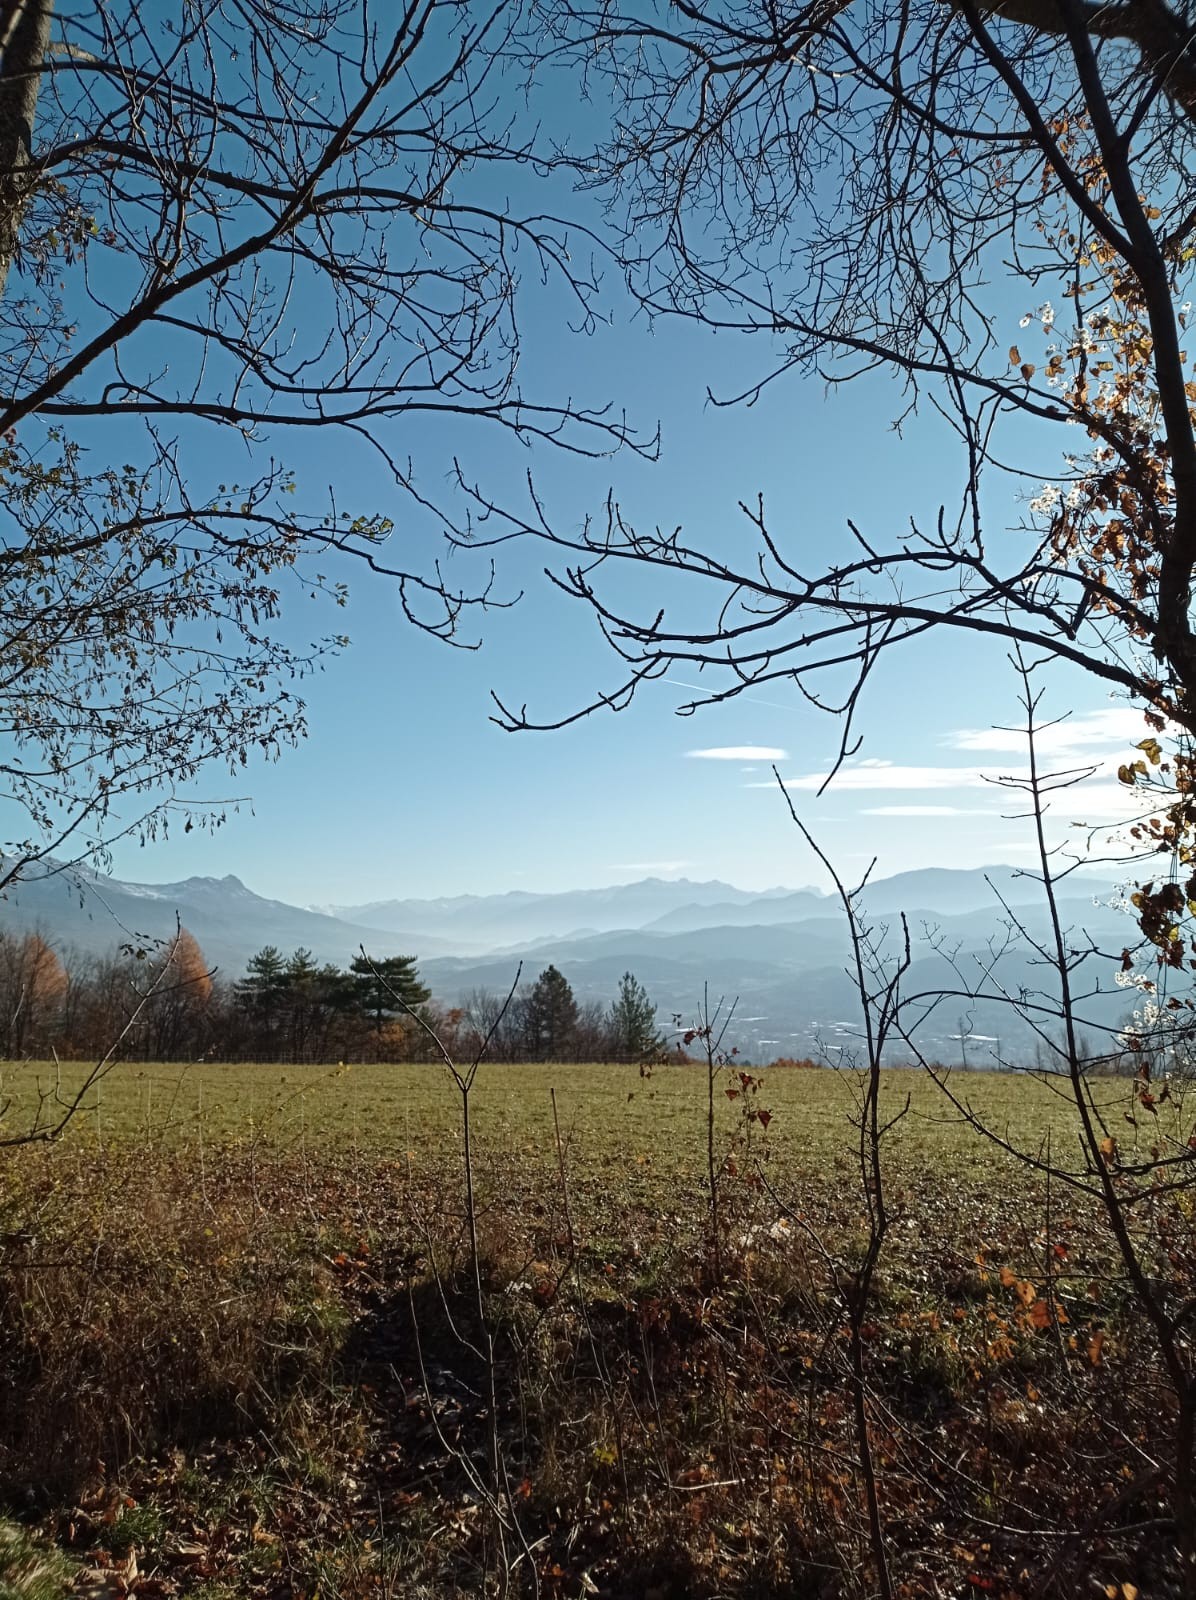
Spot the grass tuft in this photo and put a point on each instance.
(29, 1570)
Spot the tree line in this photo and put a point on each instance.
(293, 1008)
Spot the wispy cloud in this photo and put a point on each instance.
(927, 811)
(739, 752)
(1100, 802)
(887, 775)
(1079, 736)
(1096, 801)
(1088, 746)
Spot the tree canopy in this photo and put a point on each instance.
(386, 988)
(224, 231)
(632, 1022)
(995, 204)
(550, 1016)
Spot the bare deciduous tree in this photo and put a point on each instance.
(994, 204)
(222, 228)
(895, 185)
(1139, 1179)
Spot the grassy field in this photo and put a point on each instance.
(607, 1112)
(243, 1352)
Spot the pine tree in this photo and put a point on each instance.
(383, 990)
(303, 996)
(261, 994)
(632, 1022)
(550, 1017)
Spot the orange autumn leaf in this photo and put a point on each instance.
(1040, 1314)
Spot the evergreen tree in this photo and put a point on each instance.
(383, 990)
(262, 994)
(303, 995)
(632, 1022)
(550, 1017)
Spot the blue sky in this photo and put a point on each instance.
(405, 787)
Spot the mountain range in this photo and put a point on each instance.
(480, 922)
(780, 954)
(91, 912)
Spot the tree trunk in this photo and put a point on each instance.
(24, 39)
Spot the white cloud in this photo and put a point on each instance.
(927, 811)
(887, 775)
(739, 752)
(1090, 746)
(1101, 802)
(1074, 736)
(1099, 794)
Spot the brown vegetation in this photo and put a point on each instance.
(255, 1366)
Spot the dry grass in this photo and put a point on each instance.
(135, 1311)
(239, 1344)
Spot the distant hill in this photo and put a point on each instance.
(790, 980)
(757, 912)
(474, 924)
(231, 923)
(948, 892)
(783, 954)
(488, 921)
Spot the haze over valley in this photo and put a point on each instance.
(781, 955)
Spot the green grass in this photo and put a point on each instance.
(606, 1112)
(373, 1141)
(634, 1147)
(29, 1570)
